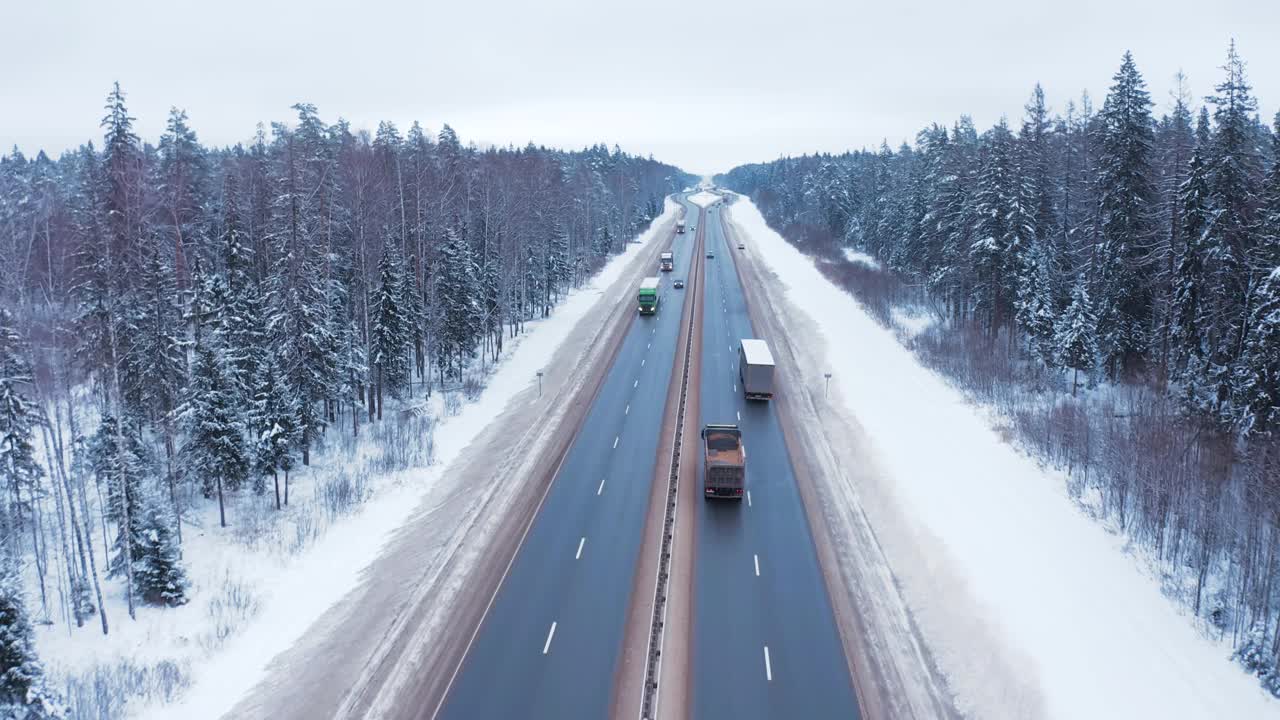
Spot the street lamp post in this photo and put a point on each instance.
(827, 391)
(540, 383)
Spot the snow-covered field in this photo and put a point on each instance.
(286, 593)
(1012, 586)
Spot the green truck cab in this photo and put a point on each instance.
(648, 296)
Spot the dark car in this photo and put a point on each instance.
(711, 253)
(678, 284)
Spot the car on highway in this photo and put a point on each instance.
(711, 253)
(678, 284)
(742, 246)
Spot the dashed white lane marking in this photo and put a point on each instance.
(627, 411)
(601, 489)
(648, 345)
(736, 413)
(547, 645)
(635, 384)
(735, 387)
(641, 364)
(615, 441)
(583, 541)
(755, 557)
(768, 667)
(748, 494)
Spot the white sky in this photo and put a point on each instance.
(705, 86)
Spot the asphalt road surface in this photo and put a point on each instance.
(765, 639)
(549, 644)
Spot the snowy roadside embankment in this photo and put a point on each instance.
(1007, 565)
(292, 593)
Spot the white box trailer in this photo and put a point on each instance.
(755, 369)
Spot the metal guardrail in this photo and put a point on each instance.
(653, 662)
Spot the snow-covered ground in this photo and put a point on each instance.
(286, 593)
(1030, 608)
(704, 199)
(911, 321)
(857, 256)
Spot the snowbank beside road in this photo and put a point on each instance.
(1012, 561)
(295, 596)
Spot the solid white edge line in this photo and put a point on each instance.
(552, 633)
(754, 557)
(583, 541)
(601, 489)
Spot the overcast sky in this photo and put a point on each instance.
(706, 86)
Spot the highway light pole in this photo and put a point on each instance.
(540, 383)
(825, 392)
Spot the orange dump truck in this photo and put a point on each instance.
(726, 461)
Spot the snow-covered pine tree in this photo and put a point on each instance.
(993, 203)
(243, 331)
(1258, 376)
(157, 563)
(299, 315)
(1126, 207)
(19, 470)
(1188, 345)
(1231, 240)
(121, 462)
(183, 185)
(456, 293)
(390, 329)
(1035, 144)
(1037, 303)
(276, 414)
(1174, 143)
(24, 691)
(213, 454)
(157, 348)
(1075, 335)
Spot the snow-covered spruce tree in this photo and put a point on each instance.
(1075, 335)
(390, 332)
(456, 294)
(276, 416)
(1189, 348)
(19, 470)
(157, 563)
(990, 254)
(183, 176)
(298, 298)
(213, 454)
(24, 692)
(243, 331)
(1231, 240)
(121, 462)
(1035, 155)
(1121, 275)
(158, 344)
(1037, 303)
(1258, 376)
